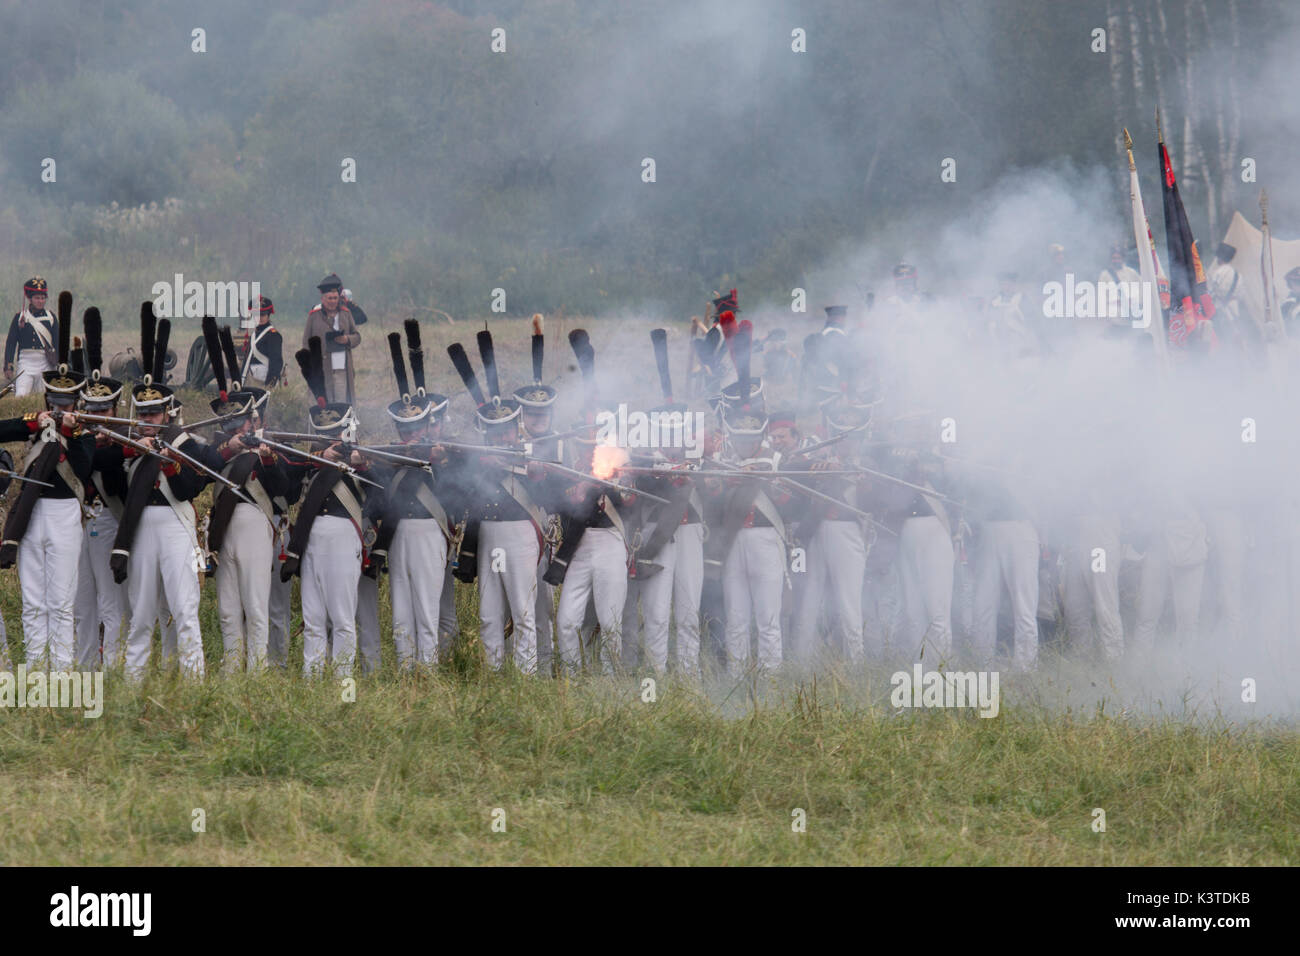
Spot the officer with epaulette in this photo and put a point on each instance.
(43, 528)
(263, 362)
(30, 343)
(710, 346)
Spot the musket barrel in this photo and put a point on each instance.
(340, 465)
(104, 419)
(383, 455)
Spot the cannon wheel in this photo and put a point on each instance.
(198, 370)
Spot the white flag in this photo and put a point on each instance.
(1147, 267)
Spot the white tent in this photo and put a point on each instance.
(1250, 290)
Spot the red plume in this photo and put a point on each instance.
(728, 322)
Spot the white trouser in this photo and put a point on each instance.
(925, 567)
(1158, 575)
(161, 579)
(27, 373)
(100, 599)
(544, 614)
(278, 614)
(1228, 560)
(1006, 552)
(631, 626)
(677, 589)
(417, 568)
(368, 623)
(167, 624)
(508, 552)
(753, 580)
(598, 570)
(448, 623)
(1093, 595)
(837, 562)
(331, 566)
(964, 578)
(243, 580)
(48, 559)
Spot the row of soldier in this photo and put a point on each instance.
(774, 547)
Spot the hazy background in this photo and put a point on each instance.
(522, 169)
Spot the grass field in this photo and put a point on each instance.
(288, 772)
(586, 772)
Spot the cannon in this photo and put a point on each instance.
(125, 365)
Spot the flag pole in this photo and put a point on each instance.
(1142, 238)
(1274, 327)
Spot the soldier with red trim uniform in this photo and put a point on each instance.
(263, 361)
(43, 529)
(30, 343)
(156, 550)
(101, 601)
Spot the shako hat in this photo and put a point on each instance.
(62, 384)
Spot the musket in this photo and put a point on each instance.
(18, 477)
(907, 484)
(300, 436)
(829, 441)
(558, 435)
(483, 449)
(780, 477)
(290, 450)
(218, 419)
(859, 471)
(212, 473)
(177, 454)
(564, 469)
(681, 471)
(830, 499)
(105, 419)
(8, 388)
(396, 459)
(376, 451)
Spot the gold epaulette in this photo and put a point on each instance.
(30, 416)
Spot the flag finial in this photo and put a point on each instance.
(1160, 130)
(1128, 147)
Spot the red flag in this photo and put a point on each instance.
(1189, 294)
